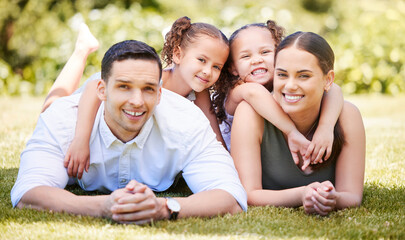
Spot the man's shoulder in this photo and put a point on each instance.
(61, 105)
(175, 113)
(173, 105)
(62, 109)
(60, 117)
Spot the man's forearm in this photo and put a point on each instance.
(60, 200)
(208, 203)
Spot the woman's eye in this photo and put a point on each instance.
(304, 76)
(281, 75)
(244, 56)
(201, 60)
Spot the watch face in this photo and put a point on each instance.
(173, 205)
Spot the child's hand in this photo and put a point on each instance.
(321, 145)
(298, 144)
(77, 158)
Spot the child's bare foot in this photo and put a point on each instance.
(86, 43)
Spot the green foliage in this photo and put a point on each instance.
(319, 6)
(38, 36)
(368, 47)
(381, 215)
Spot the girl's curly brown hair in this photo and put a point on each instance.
(228, 81)
(183, 33)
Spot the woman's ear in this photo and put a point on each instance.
(101, 90)
(330, 77)
(177, 55)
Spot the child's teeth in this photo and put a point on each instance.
(258, 71)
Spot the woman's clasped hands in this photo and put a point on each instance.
(319, 198)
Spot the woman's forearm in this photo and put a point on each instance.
(347, 200)
(280, 198)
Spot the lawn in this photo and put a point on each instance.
(382, 214)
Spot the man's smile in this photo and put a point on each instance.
(133, 113)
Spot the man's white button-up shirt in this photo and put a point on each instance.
(177, 137)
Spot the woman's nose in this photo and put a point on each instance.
(290, 84)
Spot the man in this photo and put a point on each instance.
(142, 138)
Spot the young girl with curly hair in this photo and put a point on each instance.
(195, 54)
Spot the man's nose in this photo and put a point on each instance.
(137, 98)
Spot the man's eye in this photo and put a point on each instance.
(150, 89)
(123, 86)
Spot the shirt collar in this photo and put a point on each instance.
(108, 137)
(191, 96)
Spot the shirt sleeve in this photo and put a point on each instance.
(210, 166)
(41, 164)
(95, 76)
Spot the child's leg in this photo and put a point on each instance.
(69, 78)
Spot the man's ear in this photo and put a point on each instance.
(177, 55)
(102, 90)
(330, 77)
(159, 95)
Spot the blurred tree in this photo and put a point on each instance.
(317, 6)
(38, 36)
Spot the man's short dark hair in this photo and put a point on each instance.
(129, 49)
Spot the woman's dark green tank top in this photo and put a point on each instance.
(278, 168)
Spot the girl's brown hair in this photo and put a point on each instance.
(228, 81)
(183, 33)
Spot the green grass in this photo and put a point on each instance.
(382, 214)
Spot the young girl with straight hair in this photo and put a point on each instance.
(303, 73)
(249, 78)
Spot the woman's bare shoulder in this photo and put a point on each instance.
(350, 117)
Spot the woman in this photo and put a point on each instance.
(303, 73)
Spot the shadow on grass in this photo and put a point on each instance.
(9, 176)
(381, 215)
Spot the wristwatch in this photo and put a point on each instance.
(174, 208)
